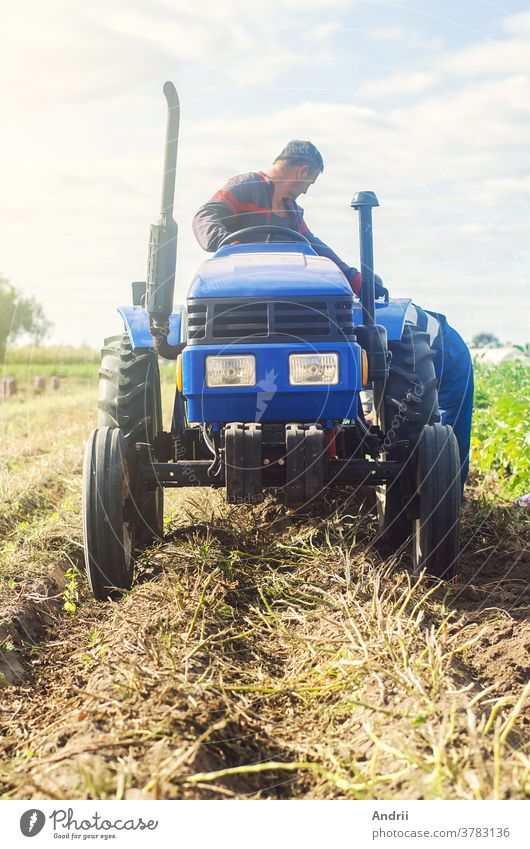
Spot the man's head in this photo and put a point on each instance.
(296, 168)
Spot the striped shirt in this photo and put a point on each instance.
(246, 201)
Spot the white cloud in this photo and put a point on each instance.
(58, 52)
(490, 60)
(403, 83)
(449, 163)
(322, 32)
(408, 35)
(517, 24)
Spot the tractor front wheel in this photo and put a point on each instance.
(129, 398)
(108, 518)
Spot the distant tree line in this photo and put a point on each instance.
(20, 315)
(485, 340)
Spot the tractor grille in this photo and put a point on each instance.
(196, 321)
(344, 318)
(301, 319)
(236, 321)
(249, 320)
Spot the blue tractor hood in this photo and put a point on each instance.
(253, 271)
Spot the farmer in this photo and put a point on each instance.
(269, 198)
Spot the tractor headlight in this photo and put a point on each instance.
(308, 369)
(231, 371)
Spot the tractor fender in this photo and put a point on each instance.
(391, 314)
(136, 321)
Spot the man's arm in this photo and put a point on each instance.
(224, 213)
(210, 223)
(352, 275)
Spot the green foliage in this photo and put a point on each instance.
(54, 355)
(500, 442)
(64, 361)
(525, 349)
(29, 361)
(71, 591)
(19, 315)
(26, 372)
(168, 373)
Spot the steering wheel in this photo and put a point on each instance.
(270, 229)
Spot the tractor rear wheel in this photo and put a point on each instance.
(129, 398)
(108, 520)
(410, 402)
(436, 533)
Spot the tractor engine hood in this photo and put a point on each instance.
(268, 271)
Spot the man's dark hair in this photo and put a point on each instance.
(302, 153)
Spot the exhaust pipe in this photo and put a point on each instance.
(371, 337)
(162, 253)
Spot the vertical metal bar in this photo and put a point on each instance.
(363, 202)
(162, 250)
(366, 244)
(170, 154)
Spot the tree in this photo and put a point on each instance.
(19, 315)
(485, 340)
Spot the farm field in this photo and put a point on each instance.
(262, 653)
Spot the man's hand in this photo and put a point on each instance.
(379, 289)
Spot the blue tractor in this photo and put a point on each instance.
(273, 355)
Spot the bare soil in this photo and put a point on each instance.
(261, 653)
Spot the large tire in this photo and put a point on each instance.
(411, 391)
(129, 398)
(436, 537)
(108, 522)
(410, 402)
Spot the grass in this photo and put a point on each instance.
(27, 362)
(25, 373)
(261, 653)
(77, 364)
(271, 657)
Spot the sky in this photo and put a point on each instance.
(425, 102)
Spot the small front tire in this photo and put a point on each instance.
(129, 398)
(108, 516)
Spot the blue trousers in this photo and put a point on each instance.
(454, 370)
